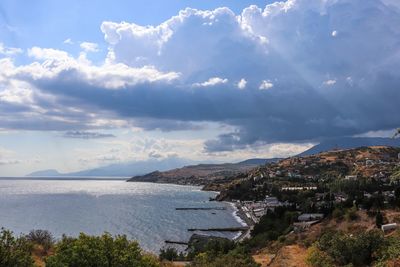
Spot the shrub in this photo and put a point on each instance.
(235, 258)
(169, 254)
(318, 258)
(359, 250)
(351, 214)
(338, 214)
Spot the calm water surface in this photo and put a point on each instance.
(143, 211)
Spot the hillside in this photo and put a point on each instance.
(349, 143)
(202, 174)
(376, 162)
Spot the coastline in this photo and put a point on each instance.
(237, 214)
(240, 216)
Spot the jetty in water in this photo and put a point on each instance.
(176, 242)
(228, 229)
(200, 208)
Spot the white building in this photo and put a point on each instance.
(389, 227)
(350, 177)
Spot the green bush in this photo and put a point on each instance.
(235, 258)
(351, 214)
(14, 252)
(390, 251)
(318, 258)
(99, 251)
(169, 254)
(338, 214)
(357, 249)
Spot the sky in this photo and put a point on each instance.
(90, 83)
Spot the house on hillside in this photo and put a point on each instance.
(389, 227)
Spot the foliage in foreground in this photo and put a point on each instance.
(237, 257)
(14, 251)
(271, 226)
(41, 237)
(99, 251)
(362, 249)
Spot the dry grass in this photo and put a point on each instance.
(263, 259)
(294, 250)
(290, 256)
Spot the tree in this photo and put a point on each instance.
(351, 214)
(379, 219)
(14, 251)
(99, 251)
(318, 258)
(169, 254)
(359, 249)
(41, 237)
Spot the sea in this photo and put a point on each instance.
(145, 212)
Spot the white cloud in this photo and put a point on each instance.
(242, 84)
(9, 161)
(265, 85)
(9, 51)
(211, 82)
(113, 76)
(151, 67)
(330, 82)
(68, 41)
(192, 42)
(7, 157)
(89, 47)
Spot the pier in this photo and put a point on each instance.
(228, 229)
(200, 208)
(176, 242)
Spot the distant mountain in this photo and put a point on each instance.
(121, 169)
(201, 174)
(350, 142)
(45, 173)
(130, 169)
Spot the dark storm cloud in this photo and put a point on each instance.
(313, 70)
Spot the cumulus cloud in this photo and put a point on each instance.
(86, 135)
(89, 47)
(68, 41)
(242, 84)
(9, 51)
(57, 63)
(211, 82)
(329, 82)
(265, 85)
(149, 73)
